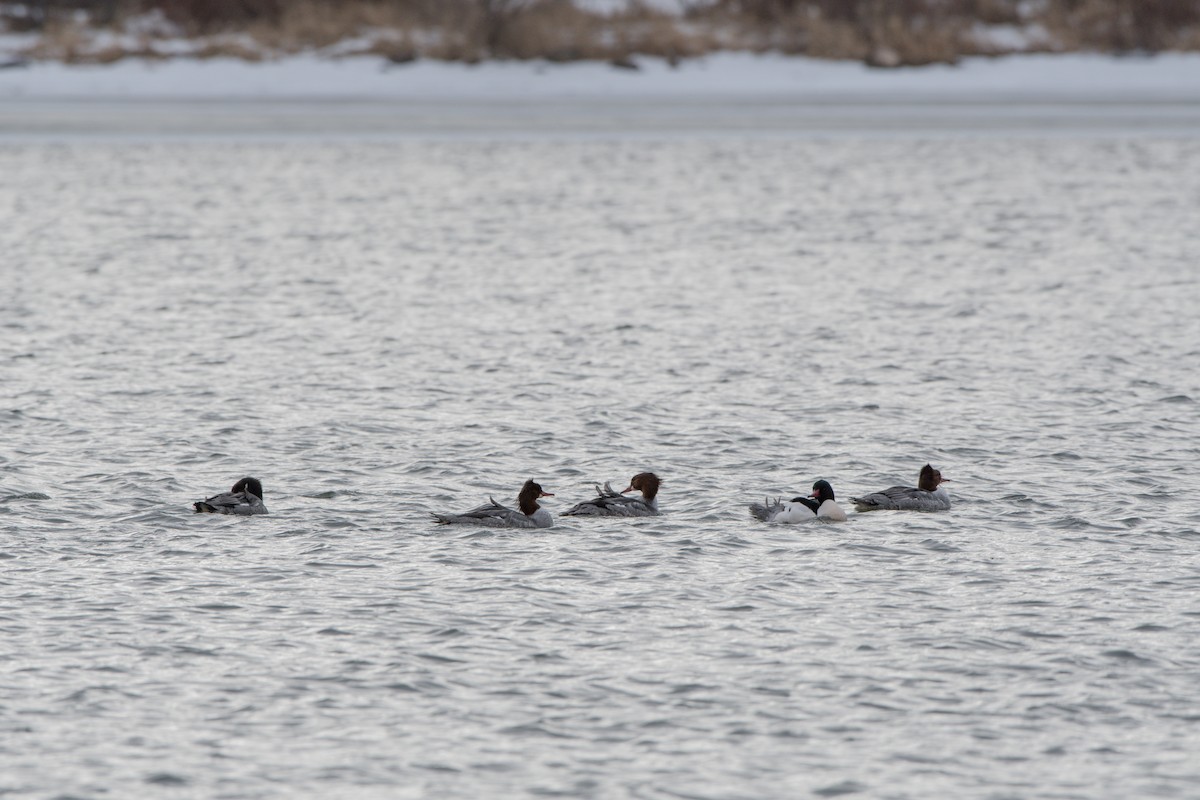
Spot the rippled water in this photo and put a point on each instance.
(377, 329)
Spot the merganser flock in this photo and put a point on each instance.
(246, 498)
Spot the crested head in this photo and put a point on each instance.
(528, 498)
(250, 485)
(822, 491)
(645, 482)
(929, 479)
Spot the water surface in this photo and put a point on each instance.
(381, 328)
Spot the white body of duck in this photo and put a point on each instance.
(801, 509)
(493, 515)
(244, 499)
(928, 495)
(616, 504)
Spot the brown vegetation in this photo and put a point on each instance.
(897, 32)
(880, 32)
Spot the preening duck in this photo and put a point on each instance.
(494, 515)
(245, 498)
(801, 509)
(929, 495)
(616, 504)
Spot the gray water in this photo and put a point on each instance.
(381, 328)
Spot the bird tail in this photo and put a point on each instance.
(766, 510)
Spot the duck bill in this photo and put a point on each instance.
(546, 494)
(627, 491)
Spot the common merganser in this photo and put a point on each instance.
(616, 504)
(929, 495)
(494, 515)
(245, 498)
(801, 509)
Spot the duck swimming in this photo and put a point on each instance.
(244, 499)
(616, 504)
(801, 509)
(494, 515)
(929, 495)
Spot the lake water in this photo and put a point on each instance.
(382, 326)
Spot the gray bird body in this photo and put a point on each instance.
(244, 499)
(609, 503)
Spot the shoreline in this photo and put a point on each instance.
(1165, 78)
(147, 119)
(727, 95)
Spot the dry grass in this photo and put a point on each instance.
(65, 41)
(307, 25)
(654, 34)
(910, 32)
(73, 43)
(227, 47)
(1125, 25)
(885, 34)
(204, 17)
(880, 32)
(557, 31)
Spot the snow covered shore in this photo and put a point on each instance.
(1027, 78)
(727, 94)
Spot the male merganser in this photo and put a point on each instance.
(616, 504)
(494, 515)
(929, 495)
(245, 498)
(801, 509)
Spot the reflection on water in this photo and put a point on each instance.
(377, 329)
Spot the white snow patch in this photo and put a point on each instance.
(1013, 38)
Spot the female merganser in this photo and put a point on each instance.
(494, 515)
(616, 504)
(929, 495)
(245, 498)
(801, 509)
